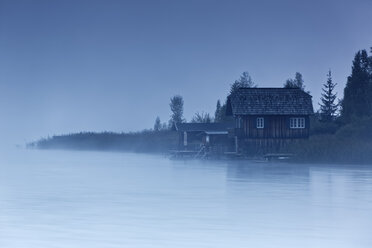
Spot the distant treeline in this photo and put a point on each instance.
(340, 131)
(144, 141)
(328, 143)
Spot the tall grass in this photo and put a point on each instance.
(351, 143)
(145, 141)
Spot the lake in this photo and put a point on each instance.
(71, 199)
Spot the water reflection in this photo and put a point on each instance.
(253, 171)
(77, 199)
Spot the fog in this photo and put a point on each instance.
(93, 199)
(70, 66)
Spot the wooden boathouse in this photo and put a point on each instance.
(268, 119)
(204, 138)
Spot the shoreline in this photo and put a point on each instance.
(257, 159)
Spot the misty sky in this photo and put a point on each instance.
(68, 66)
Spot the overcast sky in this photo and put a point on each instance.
(68, 66)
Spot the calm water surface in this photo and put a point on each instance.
(92, 199)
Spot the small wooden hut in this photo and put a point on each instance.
(211, 138)
(267, 119)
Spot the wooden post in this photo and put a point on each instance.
(185, 139)
(236, 144)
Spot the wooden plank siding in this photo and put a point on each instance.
(275, 127)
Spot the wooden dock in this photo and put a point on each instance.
(278, 156)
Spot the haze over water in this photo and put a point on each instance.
(92, 199)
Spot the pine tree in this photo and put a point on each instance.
(357, 93)
(328, 108)
(157, 125)
(217, 114)
(223, 116)
(369, 92)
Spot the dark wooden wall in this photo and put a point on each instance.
(275, 127)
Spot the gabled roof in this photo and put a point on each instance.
(269, 101)
(204, 127)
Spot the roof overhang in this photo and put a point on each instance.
(217, 133)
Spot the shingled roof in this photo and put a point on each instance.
(269, 101)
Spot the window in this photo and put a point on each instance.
(298, 122)
(260, 122)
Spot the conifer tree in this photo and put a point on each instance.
(217, 114)
(357, 93)
(328, 107)
(369, 96)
